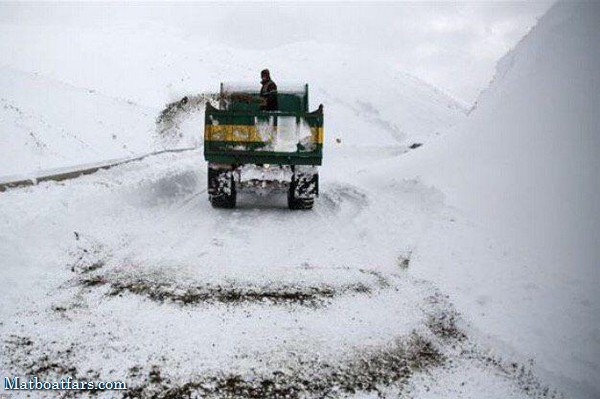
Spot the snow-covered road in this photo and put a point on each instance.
(134, 276)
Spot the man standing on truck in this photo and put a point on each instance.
(268, 92)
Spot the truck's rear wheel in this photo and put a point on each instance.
(300, 203)
(221, 187)
(304, 187)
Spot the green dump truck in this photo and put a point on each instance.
(249, 148)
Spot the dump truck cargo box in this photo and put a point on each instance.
(240, 133)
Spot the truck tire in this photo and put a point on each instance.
(304, 187)
(221, 188)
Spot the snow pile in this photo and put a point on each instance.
(277, 173)
(522, 174)
(254, 87)
(286, 137)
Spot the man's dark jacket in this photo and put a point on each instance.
(268, 91)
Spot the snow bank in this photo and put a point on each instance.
(521, 252)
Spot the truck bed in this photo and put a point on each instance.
(260, 137)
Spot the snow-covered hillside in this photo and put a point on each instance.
(71, 88)
(522, 175)
(44, 123)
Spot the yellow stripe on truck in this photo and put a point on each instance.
(247, 133)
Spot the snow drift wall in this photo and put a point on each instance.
(524, 168)
(528, 159)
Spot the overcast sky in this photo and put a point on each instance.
(452, 45)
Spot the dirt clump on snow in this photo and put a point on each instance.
(26, 358)
(232, 293)
(443, 320)
(194, 293)
(369, 371)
